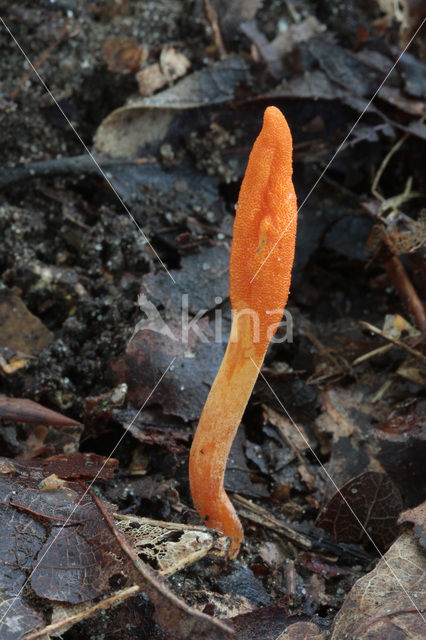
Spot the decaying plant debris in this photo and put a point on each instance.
(99, 396)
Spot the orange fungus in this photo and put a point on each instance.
(262, 256)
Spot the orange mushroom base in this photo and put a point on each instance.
(262, 256)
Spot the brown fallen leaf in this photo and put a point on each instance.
(73, 563)
(73, 466)
(376, 503)
(347, 414)
(173, 615)
(389, 602)
(417, 517)
(266, 623)
(302, 631)
(66, 540)
(25, 410)
(20, 330)
(124, 55)
(17, 618)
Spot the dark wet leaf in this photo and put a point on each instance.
(203, 278)
(402, 449)
(75, 561)
(21, 539)
(345, 68)
(266, 623)
(170, 439)
(376, 503)
(417, 128)
(17, 618)
(237, 476)
(396, 98)
(184, 389)
(24, 410)
(212, 85)
(74, 465)
(347, 415)
(414, 75)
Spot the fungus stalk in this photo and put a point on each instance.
(262, 256)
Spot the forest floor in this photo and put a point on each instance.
(123, 181)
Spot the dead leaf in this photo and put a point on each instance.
(297, 437)
(232, 14)
(150, 79)
(387, 602)
(20, 330)
(167, 546)
(295, 34)
(75, 465)
(302, 631)
(344, 68)
(417, 517)
(124, 55)
(17, 618)
(25, 410)
(265, 623)
(347, 414)
(184, 388)
(75, 563)
(376, 503)
(205, 275)
(128, 129)
(237, 475)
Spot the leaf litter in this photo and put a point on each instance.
(73, 264)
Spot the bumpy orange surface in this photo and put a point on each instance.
(262, 256)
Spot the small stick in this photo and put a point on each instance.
(398, 343)
(262, 516)
(74, 165)
(166, 603)
(406, 291)
(88, 612)
(214, 23)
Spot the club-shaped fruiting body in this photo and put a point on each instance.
(262, 256)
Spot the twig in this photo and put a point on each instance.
(75, 165)
(384, 249)
(371, 354)
(84, 614)
(383, 166)
(309, 542)
(163, 599)
(406, 290)
(398, 343)
(261, 516)
(214, 23)
(323, 350)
